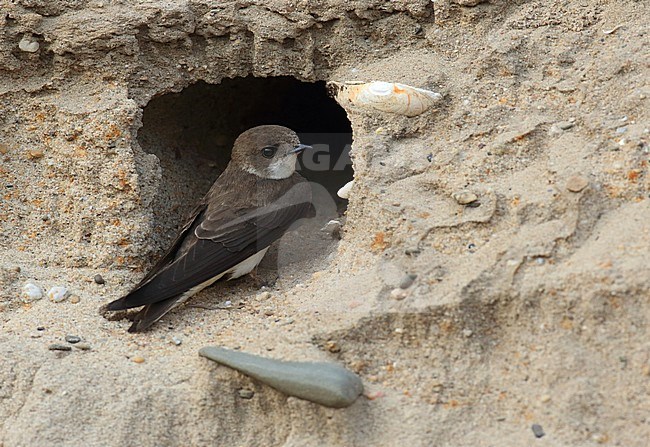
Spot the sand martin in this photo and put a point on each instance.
(252, 203)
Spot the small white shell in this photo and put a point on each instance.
(57, 294)
(28, 44)
(344, 192)
(31, 292)
(386, 96)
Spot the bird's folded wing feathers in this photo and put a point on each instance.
(223, 238)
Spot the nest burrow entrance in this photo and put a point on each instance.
(192, 132)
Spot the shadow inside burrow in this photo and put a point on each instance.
(192, 132)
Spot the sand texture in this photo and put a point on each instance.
(528, 305)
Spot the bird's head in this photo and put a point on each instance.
(269, 152)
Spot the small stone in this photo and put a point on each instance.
(464, 197)
(468, 333)
(545, 398)
(600, 438)
(138, 359)
(31, 292)
(72, 339)
(565, 125)
(468, 3)
(98, 279)
(59, 347)
(83, 346)
(263, 296)
(246, 393)
(35, 154)
(576, 183)
(28, 44)
(57, 294)
(621, 129)
(74, 299)
(177, 341)
(332, 347)
(538, 431)
(398, 294)
(333, 227)
(40, 328)
(407, 281)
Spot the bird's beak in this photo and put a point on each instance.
(299, 149)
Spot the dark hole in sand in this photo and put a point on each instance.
(192, 132)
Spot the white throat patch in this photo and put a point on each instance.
(280, 168)
(283, 167)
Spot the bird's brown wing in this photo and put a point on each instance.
(219, 239)
(171, 252)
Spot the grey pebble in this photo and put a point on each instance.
(99, 280)
(246, 393)
(59, 347)
(326, 384)
(72, 339)
(565, 125)
(176, 340)
(538, 431)
(407, 280)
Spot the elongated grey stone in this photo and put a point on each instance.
(326, 384)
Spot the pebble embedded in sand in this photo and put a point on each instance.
(31, 292)
(326, 384)
(576, 183)
(398, 294)
(28, 44)
(59, 347)
(35, 154)
(176, 340)
(407, 280)
(74, 299)
(138, 359)
(333, 227)
(469, 3)
(98, 279)
(538, 431)
(72, 339)
(57, 294)
(464, 197)
(246, 393)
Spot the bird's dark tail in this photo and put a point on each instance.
(152, 313)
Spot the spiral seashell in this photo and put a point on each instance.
(390, 97)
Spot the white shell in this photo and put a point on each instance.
(28, 44)
(386, 96)
(31, 292)
(57, 294)
(344, 192)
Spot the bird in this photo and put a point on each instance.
(251, 204)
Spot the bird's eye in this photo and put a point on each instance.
(269, 151)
